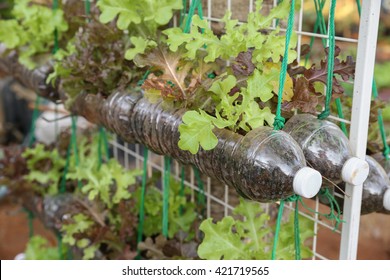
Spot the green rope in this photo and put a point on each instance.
(183, 12)
(87, 7)
(201, 193)
(297, 238)
(142, 201)
(66, 169)
(359, 7)
(102, 146)
(35, 116)
(182, 187)
(277, 229)
(144, 77)
(335, 211)
(319, 24)
(277, 20)
(319, 5)
(73, 143)
(166, 187)
(56, 43)
(386, 149)
(194, 5)
(341, 115)
(279, 120)
(329, 82)
(279, 124)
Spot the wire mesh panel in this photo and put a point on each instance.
(220, 199)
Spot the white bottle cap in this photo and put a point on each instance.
(386, 200)
(307, 182)
(355, 171)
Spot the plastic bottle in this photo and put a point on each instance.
(326, 149)
(376, 190)
(380, 158)
(264, 165)
(33, 79)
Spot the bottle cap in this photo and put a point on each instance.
(307, 182)
(355, 171)
(386, 200)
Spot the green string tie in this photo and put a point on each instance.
(329, 82)
(279, 120)
(201, 193)
(195, 4)
(182, 187)
(35, 116)
(334, 207)
(56, 43)
(142, 201)
(166, 187)
(297, 242)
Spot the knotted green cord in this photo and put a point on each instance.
(142, 200)
(279, 124)
(329, 81)
(279, 120)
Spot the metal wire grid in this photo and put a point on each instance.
(131, 154)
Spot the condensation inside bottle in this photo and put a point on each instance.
(324, 145)
(260, 165)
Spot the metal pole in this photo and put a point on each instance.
(365, 61)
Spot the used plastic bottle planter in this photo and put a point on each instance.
(379, 157)
(34, 79)
(265, 165)
(376, 190)
(327, 149)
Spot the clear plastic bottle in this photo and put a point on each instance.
(380, 158)
(33, 79)
(264, 165)
(326, 149)
(376, 190)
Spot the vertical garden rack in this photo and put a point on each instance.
(225, 199)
